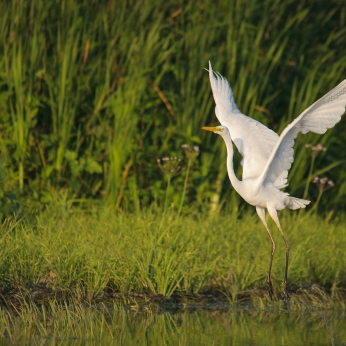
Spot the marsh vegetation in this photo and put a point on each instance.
(93, 93)
(111, 195)
(86, 254)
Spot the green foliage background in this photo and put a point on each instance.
(92, 93)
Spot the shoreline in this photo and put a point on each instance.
(303, 298)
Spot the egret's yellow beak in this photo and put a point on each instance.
(211, 129)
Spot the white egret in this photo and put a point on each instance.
(266, 156)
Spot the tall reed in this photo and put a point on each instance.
(93, 93)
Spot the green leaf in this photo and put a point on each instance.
(70, 155)
(92, 166)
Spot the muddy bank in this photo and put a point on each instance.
(302, 297)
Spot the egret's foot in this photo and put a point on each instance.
(270, 289)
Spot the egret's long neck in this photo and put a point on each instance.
(232, 177)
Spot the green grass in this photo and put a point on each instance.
(93, 93)
(155, 252)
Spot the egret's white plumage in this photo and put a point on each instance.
(255, 150)
(266, 156)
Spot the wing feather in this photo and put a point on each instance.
(254, 141)
(318, 118)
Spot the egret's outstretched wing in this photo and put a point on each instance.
(254, 141)
(318, 118)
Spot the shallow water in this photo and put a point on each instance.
(232, 327)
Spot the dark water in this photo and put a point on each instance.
(233, 327)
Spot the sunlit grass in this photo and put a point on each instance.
(155, 252)
(92, 94)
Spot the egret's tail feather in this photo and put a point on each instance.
(296, 203)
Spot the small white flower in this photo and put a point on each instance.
(318, 147)
(316, 180)
(323, 183)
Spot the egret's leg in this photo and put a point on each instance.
(274, 216)
(261, 214)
